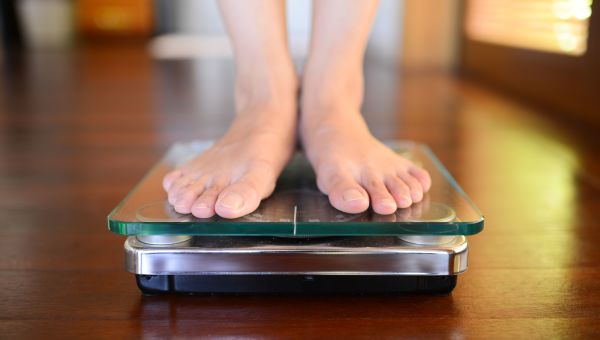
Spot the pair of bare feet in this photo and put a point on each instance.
(353, 168)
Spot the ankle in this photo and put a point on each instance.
(266, 88)
(338, 88)
(266, 100)
(265, 79)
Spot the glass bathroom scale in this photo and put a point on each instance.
(297, 208)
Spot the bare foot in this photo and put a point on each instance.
(352, 166)
(238, 171)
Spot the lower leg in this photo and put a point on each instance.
(334, 65)
(240, 169)
(264, 68)
(352, 167)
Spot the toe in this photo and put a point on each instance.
(382, 201)
(416, 189)
(237, 200)
(187, 196)
(400, 191)
(422, 176)
(204, 206)
(169, 178)
(347, 195)
(244, 196)
(177, 187)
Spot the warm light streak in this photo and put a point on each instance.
(548, 25)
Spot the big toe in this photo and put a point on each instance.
(243, 196)
(237, 200)
(348, 196)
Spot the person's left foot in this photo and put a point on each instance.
(356, 170)
(353, 168)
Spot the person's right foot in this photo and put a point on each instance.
(238, 171)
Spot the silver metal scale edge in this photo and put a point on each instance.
(385, 255)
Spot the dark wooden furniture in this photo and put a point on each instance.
(78, 129)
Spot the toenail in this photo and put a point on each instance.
(352, 195)
(388, 203)
(232, 200)
(201, 206)
(405, 201)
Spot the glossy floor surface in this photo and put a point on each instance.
(78, 129)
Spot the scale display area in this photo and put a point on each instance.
(296, 242)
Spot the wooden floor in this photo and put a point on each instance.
(78, 130)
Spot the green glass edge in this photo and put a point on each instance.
(302, 228)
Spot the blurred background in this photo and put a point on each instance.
(543, 50)
(505, 92)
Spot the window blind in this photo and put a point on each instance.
(559, 26)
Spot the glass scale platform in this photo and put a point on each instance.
(296, 241)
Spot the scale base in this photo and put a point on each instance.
(273, 265)
(295, 284)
